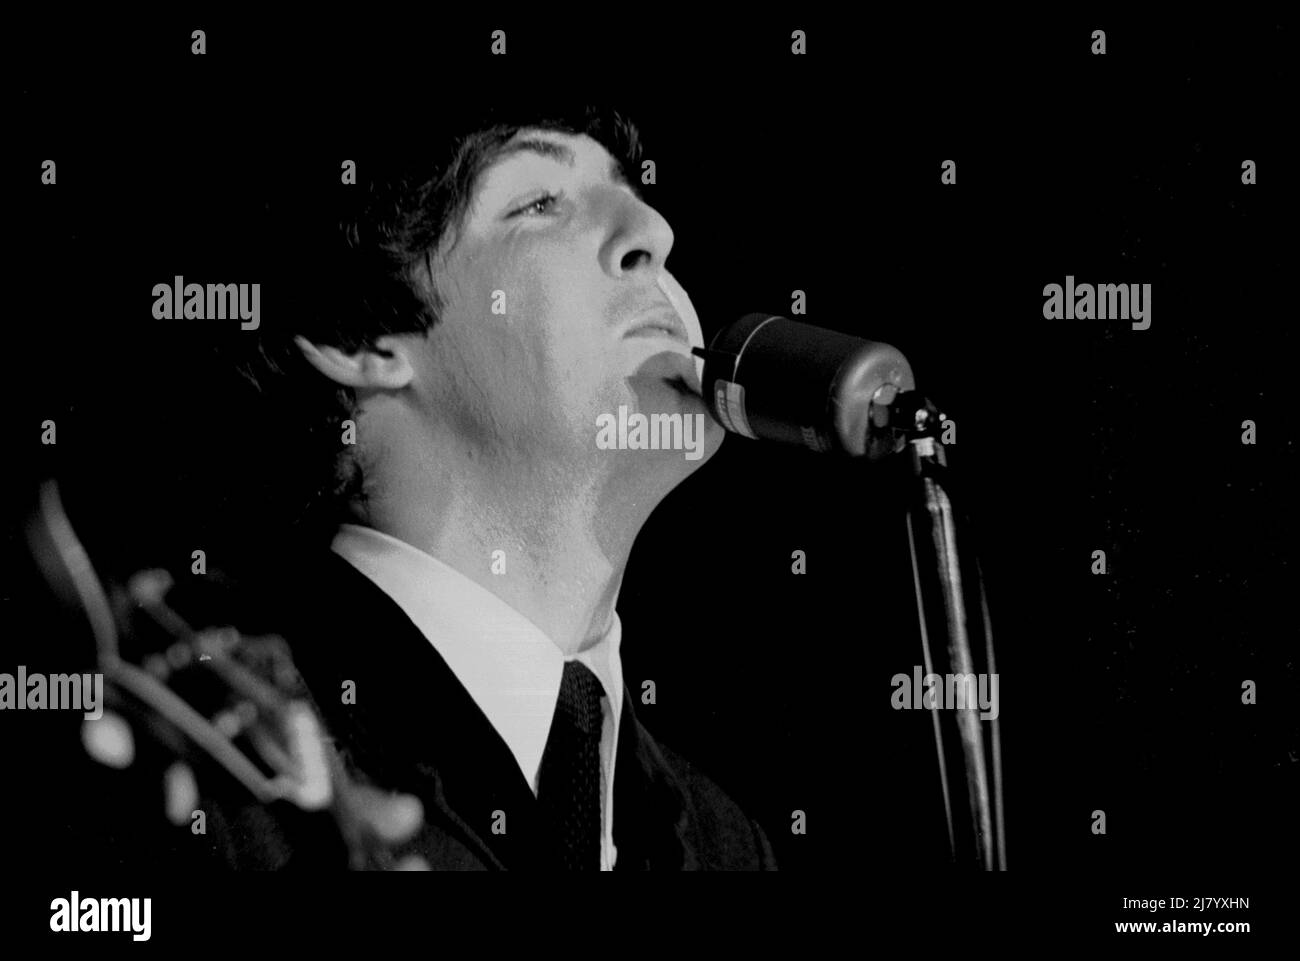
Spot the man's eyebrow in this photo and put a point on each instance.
(545, 148)
(561, 153)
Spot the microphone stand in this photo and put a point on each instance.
(969, 748)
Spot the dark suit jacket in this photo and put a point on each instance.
(415, 728)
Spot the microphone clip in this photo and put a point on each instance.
(902, 417)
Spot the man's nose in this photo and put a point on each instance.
(639, 239)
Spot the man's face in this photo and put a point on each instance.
(558, 309)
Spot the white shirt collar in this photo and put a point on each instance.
(509, 666)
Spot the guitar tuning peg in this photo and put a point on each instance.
(216, 642)
(234, 722)
(108, 740)
(179, 655)
(149, 587)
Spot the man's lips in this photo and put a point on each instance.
(661, 322)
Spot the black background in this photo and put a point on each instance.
(1119, 692)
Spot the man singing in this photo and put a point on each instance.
(484, 311)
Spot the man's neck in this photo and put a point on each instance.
(563, 547)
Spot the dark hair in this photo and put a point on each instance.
(365, 271)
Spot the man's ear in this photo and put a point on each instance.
(366, 367)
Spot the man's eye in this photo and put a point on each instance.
(540, 205)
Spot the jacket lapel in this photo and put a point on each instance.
(415, 728)
(652, 823)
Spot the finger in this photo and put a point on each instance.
(181, 792)
(236, 720)
(108, 740)
(307, 749)
(393, 817)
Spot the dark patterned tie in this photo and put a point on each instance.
(568, 782)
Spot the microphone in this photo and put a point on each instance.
(770, 378)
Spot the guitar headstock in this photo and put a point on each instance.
(210, 696)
